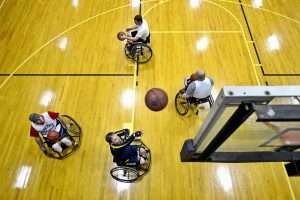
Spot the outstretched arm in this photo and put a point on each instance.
(131, 39)
(131, 28)
(190, 90)
(123, 133)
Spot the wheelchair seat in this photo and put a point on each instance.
(73, 132)
(139, 51)
(197, 101)
(148, 39)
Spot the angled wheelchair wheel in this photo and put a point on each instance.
(127, 51)
(125, 174)
(181, 103)
(142, 53)
(74, 133)
(73, 128)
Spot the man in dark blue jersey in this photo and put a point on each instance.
(122, 150)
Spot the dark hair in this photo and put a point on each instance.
(34, 117)
(138, 18)
(108, 137)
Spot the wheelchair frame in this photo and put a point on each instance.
(138, 52)
(132, 172)
(75, 135)
(182, 102)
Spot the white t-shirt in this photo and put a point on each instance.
(143, 30)
(200, 89)
(49, 125)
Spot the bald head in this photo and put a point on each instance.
(200, 74)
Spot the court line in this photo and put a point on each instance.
(243, 34)
(154, 6)
(69, 74)
(288, 181)
(270, 74)
(134, 88)
(250, 32)
(194, 32)
(136, 68)
(265, 10)
(2, 4)
(62, 33)
(266, 74)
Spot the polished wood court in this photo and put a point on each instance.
(64, 56)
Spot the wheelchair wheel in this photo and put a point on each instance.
(127, 52)
(124, 174)
(142, 53)
(181, 103)
(72, 126)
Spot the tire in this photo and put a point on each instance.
(181, 103)
(142, 52)
(124, 174)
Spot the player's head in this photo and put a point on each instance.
(113, 138)
(36, 118)
(200, 74)
(138, 19)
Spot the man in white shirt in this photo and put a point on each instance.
(44, 123)
(139, 32)
(198, 86)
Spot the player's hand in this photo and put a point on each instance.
(138, 133)
(123, 37)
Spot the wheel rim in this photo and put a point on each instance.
(144, 52)
(181, 104)
(124, 174)
(73, 128)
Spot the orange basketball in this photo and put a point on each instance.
(120, 36)
(156, 99)
(53, 136)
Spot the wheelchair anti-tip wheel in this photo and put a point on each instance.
(181, 103)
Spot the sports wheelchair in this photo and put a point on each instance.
(183, 104)
(131, 172)
(73, 132)
(140, 52)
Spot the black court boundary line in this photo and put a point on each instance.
(250, 33)
(67, 75)
(267, 74)
(140, 8)
(256, 50)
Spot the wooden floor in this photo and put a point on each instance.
(53, 48)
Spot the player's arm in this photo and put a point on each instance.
(131, 39)
(127, 142)
(124, 133)
(190, 90)
(53, 115)
(131, 28)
